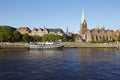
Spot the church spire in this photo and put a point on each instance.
(67, 29)
(83, 17)
(83, 24)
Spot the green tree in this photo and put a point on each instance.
(113, 40)
(75, 36)
(59, 37)
(26, 38)
(52, 37)
(64, 38)
(36, 38)
(45, 37)
(119, 38)
(6, 33)
(16, 36)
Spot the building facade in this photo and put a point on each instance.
(24, 30)
(96, 34)
(40, 31)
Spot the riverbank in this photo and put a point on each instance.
(15, 45)
(89, 45)
(22, 45)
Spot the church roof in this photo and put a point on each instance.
(101, 31)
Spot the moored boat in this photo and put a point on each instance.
(47, 45)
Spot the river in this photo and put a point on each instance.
(66, 64)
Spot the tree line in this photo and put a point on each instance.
(9, 34)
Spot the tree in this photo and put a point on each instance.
(45, 37)
(113, 40)
(59, 37)
(16, 36)
(36, 38)
(6, 33)
(119, 38)
(26, 38)
(52, 37)
(75, 36)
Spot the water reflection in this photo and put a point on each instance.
(67, 64)
(99, 63)
(45, 53)
(98, 55)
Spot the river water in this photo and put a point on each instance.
(66, 64)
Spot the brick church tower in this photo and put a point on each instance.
(83, 24)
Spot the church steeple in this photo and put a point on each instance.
(67, 29)
(83, 23)
(83, 17)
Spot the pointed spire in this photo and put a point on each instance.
(103, 28)
(44, 26)
(67, 29)
(97, 27)
(83, 24)
(83, 16)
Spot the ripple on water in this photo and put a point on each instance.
(67, 64)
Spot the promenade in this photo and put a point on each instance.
(67, 45)
(89, 45)
(16, 45)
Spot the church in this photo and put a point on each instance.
(96, 34)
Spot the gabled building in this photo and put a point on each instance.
(56, 31)
(40, 31)
(24, 30)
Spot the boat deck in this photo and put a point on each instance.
(46, 46)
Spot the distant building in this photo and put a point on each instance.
(40, 31)
(95, 34)
(24, 30)
(36, 31)
(56, 31)
(68, 34)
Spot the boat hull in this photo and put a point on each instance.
(46, 46)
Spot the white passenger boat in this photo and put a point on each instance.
(47, 45)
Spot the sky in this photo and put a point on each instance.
(60, 13)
